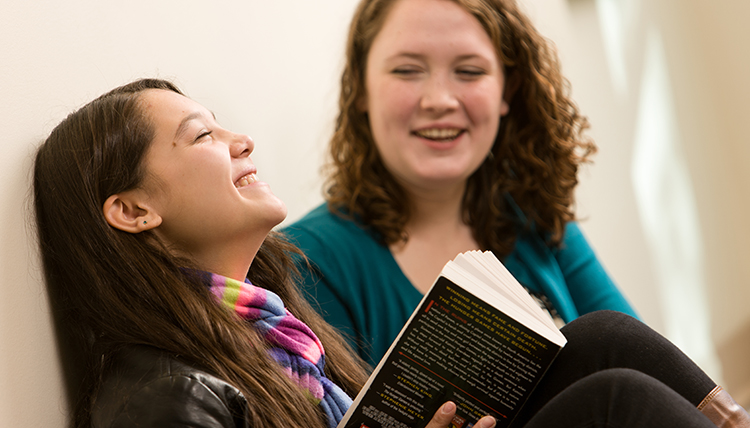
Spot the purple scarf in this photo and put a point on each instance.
(294, 345)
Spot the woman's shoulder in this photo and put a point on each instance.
(147, 387)
(323, 216)
(323, 227)
(337, 245)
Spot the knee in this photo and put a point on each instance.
(603, 325)
(603, 318)
(612, 336)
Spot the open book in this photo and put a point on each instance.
(477, 338)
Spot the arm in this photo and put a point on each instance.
(589, 284)
(178, 401)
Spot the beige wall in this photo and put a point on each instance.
(696, 291)
(269, 69)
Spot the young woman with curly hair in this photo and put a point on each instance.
(456, 131)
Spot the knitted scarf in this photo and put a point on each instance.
(293, 344)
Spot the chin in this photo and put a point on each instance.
(280, 212)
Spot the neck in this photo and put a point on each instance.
(437, 233)
(231, 259)
(440, 208)
(235, 269)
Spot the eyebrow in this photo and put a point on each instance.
(182, 127)
(417, 56)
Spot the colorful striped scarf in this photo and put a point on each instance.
(293, 344)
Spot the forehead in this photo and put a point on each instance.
(162, 104)
(422, 23)
(169, 111)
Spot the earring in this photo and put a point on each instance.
(144, 221)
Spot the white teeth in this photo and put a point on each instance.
(439, 133)
(245, 180)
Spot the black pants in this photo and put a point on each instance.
(615, 371)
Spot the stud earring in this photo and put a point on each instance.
(144, 221)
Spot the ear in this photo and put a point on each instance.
(512, 83)
(127, 212)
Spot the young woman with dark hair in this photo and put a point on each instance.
(134, 191)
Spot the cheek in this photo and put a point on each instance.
(390, 118)
(203, 175)
(485, 114)
(485, 102)
(391, 99)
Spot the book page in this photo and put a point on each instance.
(504, 293)
(486, 268)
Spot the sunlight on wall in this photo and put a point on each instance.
(668, 211)
(612, 20)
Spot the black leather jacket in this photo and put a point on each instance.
(149, 388)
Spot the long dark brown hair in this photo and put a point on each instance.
(532, 164)
(110, 288)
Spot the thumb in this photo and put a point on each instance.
(443, 416)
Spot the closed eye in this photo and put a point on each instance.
(202, 135)
(470, 73)
(405, 71)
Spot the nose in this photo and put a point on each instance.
(438, 95)
(241, 146)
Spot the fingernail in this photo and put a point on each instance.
(487, 422)
(448, 407)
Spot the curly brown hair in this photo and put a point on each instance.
(533, 162)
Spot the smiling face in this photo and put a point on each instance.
(434, 98)
(202, 183)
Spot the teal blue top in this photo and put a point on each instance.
(358, 287)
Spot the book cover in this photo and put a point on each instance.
(473, 340)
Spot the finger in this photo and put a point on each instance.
(486, 422)
(443, 416)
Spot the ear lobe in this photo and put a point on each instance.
(504, 107)
(123, 212)
(512, 83)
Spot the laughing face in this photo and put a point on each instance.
(434, 97)
(202, 182)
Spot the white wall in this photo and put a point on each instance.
(269, 69)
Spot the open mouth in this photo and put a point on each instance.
(439, 134)
(245, 180)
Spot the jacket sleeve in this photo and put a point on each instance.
(589, 284)
(177, 401)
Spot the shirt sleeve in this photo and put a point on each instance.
(589, 284)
